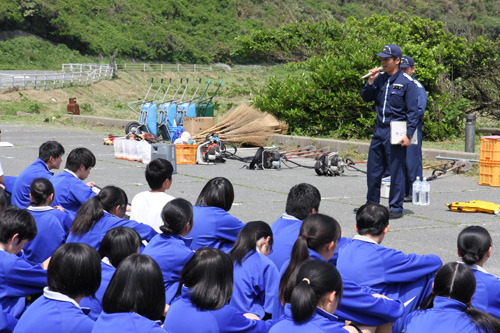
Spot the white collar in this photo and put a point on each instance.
(71, 172)
(56, 296)
(107, 262)
(289, 217)
(39, 208)
(474, 267)
(365, 239)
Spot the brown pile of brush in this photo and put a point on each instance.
(245, 125)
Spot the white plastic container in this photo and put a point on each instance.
(425, 193)
(385, 188)
(417, 187)
(118, 144)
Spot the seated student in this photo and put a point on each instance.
(448, 308)
(206, 288)
(213, 225)
(314, 299)
(474, 247)
(73, 273)
(49, 222)
(147, 205)
(134, 301)
(102, 213)
(118, 244)
(70, 190)
(256, 278)
(317, 240)
(19, 277)
(49, 157)
(407, 277)
(170, 249)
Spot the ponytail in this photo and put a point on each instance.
(176, 214)
(473, 243)
(485, 322)
(41, 189)
(248, 237)
(316, 279)
(316, 231)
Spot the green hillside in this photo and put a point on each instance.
(204, 30)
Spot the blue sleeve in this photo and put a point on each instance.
(228, 227)
(369, 92)
(411, 102)
(400, 267)
(271, 287)
(422, 101)
(144, 230)
(7, 322)
(24, 279)
(359, 305)
(81, 193)
(230, 320)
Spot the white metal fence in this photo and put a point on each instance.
(152, 67)
(72, 74)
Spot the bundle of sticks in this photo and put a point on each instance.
(245, 125)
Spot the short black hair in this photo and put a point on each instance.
(473, 243)
(209, 275)
(372, 219)
(40, 189)
(157, 171)
(175, 215)
(218, 192)
(79, 156)
(3, 199)
(16, 221)
(137, 286)
(119, 243)
(48, 149)
(74, 270)
(301, 200)
(247, 239)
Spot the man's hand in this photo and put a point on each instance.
(375, 73)
(405, 141)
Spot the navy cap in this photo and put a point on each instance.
(391, 50)
(407, 61)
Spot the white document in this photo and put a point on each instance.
(398, 131)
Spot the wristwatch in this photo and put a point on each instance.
(409, 136)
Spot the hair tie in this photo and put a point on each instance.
(471, 251)
(306, 236)
(307, 280)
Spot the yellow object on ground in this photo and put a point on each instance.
(475, 206)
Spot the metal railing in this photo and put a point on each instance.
(72, 74)
(153, 67)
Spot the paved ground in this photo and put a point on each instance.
(261, 195)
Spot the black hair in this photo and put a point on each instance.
(218, 192)
(157, 171)
(301, 200)
(16, 221)
(40, 190)
(119, 243)
(93, 209)
(3, 199)
(74, 270)
(473, 243)
(50, 149)
(315, 279)
(209, 275)
(316, 231)
(456, 281)
(247, 239)
(175, 215)
(372, 219)
(79, 156)
(137, 286)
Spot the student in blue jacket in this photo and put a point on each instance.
(49, 222)
(213, 225)
(206, 288)
(70, 190)
(74, 272)
(170, 249)
(19, 277)
(256, 278)
(317, 240)
(407, 277)
(474, 247)
(49, 157)
(119, 243)
(448, 309)
(316, 295)
(135, 300)
(102, 213)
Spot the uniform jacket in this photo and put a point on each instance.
(126, 322)
(320, 322)
(70, 192)
(21, 190)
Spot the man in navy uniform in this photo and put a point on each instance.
(396, 99)
(414, 152)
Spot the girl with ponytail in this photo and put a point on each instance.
(318, 238)
(448, 309)
(101, 213)
(170, 249)
(474, 246)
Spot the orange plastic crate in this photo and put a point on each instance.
(489, 173)
(490, 149)
(185, 154)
